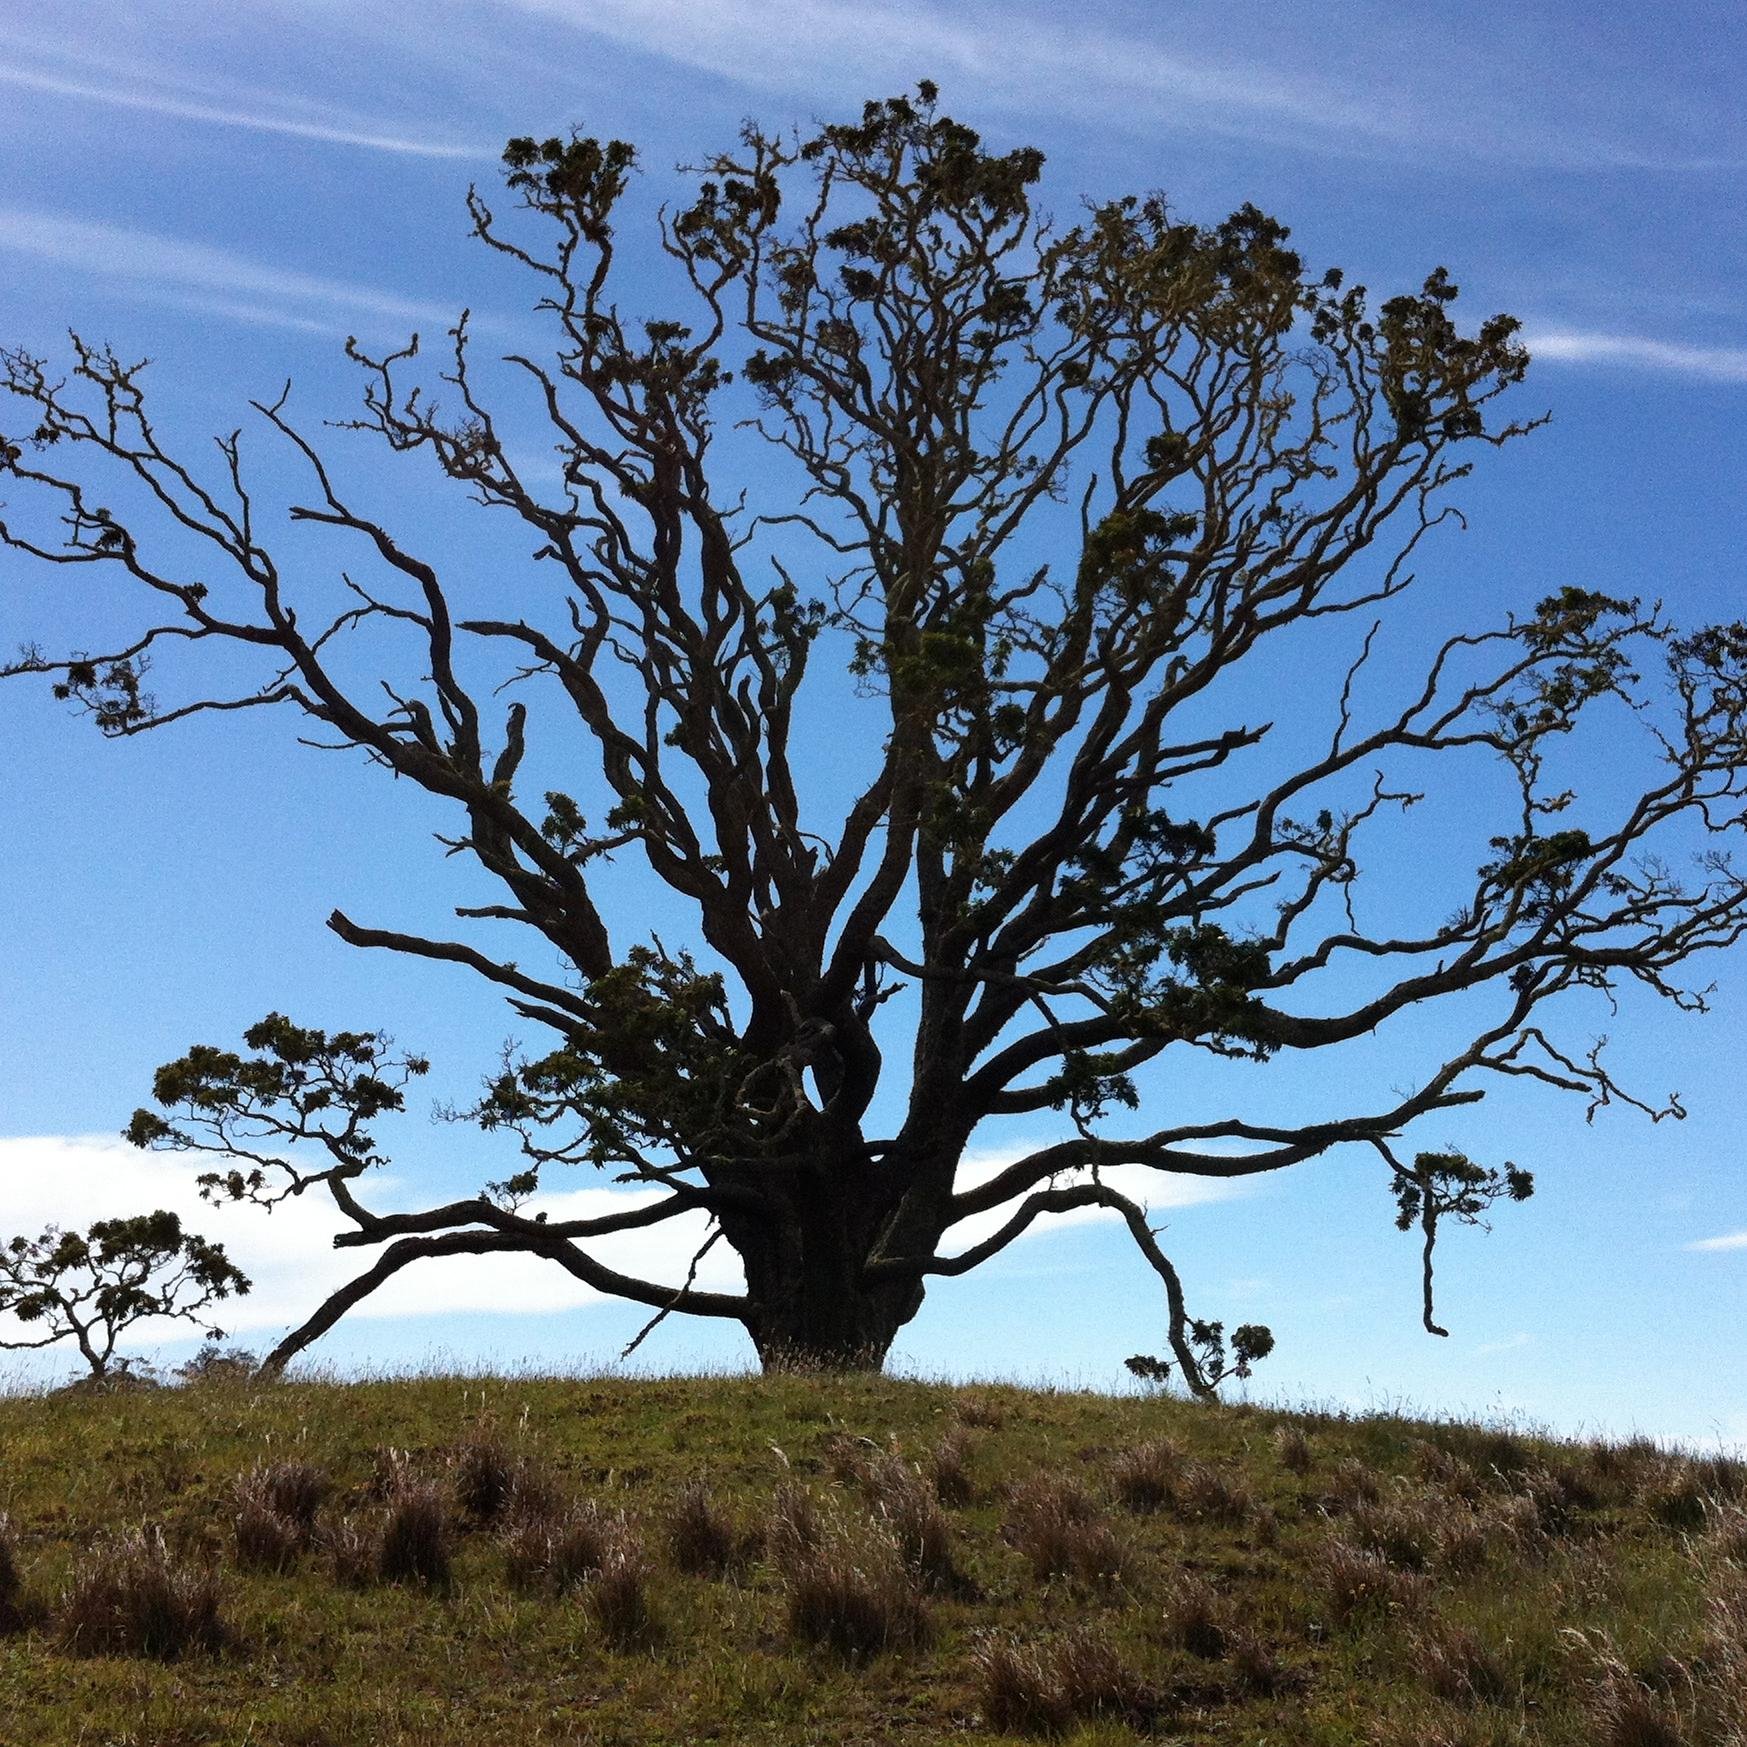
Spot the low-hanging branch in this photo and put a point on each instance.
(1060, 506)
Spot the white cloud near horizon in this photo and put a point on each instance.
(257, 120)
(1637, 351)
(288, 1253)
(200, 275)
(1729, 1240)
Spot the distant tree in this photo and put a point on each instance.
(1057, 526)
(92, 1288)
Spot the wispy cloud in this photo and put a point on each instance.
(807, 45)
(1365, 103)
(1729, 1240)
(1637, 351)
(199, 275)
(70, 1180)
(258, 119)
(1510, 1344)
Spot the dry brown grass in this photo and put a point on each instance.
(1355, 1582)
(1215, 1495)
(948, 1470)
(618, 1595)
(702, 1539)
(275, 1515)
(1352, 1483)
(131, 1596)
(557, 1549)
(850, 1593)
(1461, 1668)
(1292, 1449)
(1194, 1619)
(1146, 1478)
(486, 1475)
(1060, 1532)
(15, 1609)
(1044, 1690)
(415, 1544)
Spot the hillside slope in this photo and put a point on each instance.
(791, 1561)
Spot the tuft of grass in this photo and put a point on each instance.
(1060, 1532)
(1352, 1483)
(1356, 1582)
(948, 1470)
(557, 1549)
(1044, 1690)
(275, 1515)
(910, 1508)
(618, 1594)
(486, 1477)
(1461, 1668)
(1195, 1620)
(853, 1595)
(16, 1612)
(702, 1539)
(1292, 1449)
(1146, 1478)
(131, 1596)
(415, 1544)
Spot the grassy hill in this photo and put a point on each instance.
(803, 1561)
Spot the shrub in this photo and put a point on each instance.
(1292, 1448)
(853, 1596)
(131, 1596)
(702, 1541)
(1058, 1529)
(214, 1364)
(415, 1538)
(1145, 1478)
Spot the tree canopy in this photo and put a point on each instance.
(1067, 505)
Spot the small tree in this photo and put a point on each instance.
(1086, 548)
(91, 1289)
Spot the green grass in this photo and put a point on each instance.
(1524, 1544)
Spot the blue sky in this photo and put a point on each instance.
(232, 192)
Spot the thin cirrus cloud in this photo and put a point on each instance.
(1729, 1240)
(1639, 352)
(257, 119)
(1138, 82)
(201, 276)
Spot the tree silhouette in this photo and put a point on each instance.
(92, 1288)
(1068, 518)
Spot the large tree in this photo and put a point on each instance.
(1079, 512)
